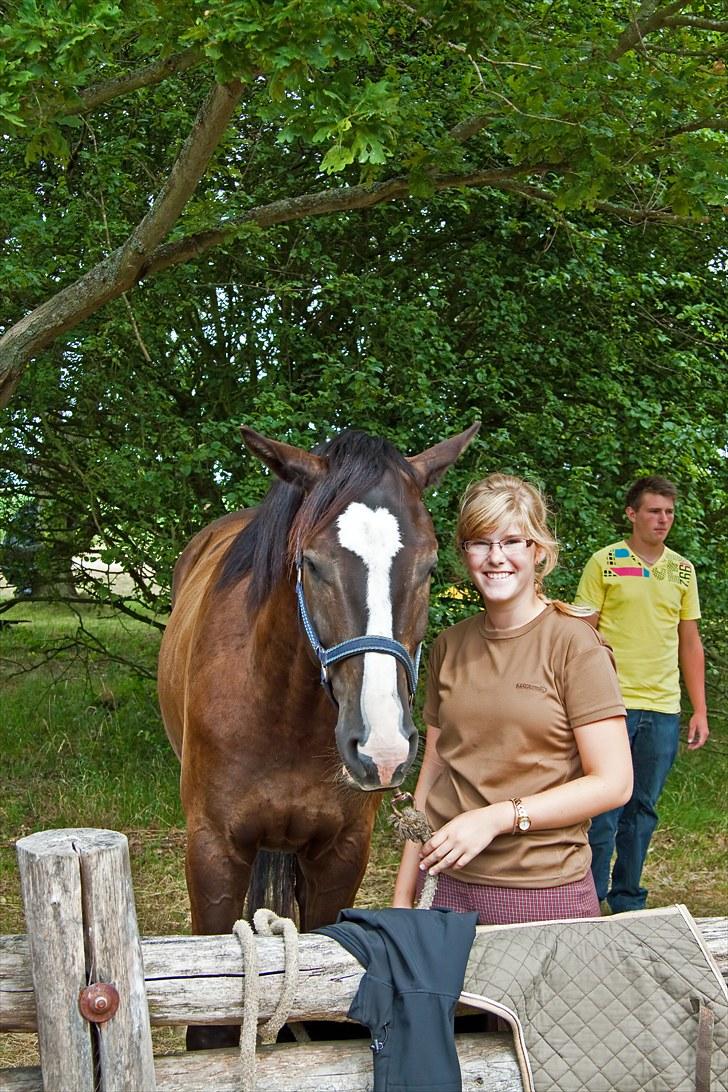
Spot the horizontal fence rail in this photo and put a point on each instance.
(192, 979)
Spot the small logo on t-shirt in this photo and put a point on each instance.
(530, 686)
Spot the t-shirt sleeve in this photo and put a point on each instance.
(690, 605)
(591, 689)
(431, 708)
(590, 592)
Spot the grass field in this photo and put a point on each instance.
(83, 745)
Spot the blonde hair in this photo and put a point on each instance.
(501, 499)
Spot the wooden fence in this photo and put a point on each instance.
(82, 929)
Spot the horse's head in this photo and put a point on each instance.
(364, 549)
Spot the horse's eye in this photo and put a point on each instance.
(430, 570)
(310, 566)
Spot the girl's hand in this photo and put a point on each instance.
(463, 838)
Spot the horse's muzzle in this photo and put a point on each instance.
(369, 776)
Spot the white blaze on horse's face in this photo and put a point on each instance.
(373, 535)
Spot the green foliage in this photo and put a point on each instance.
(368, 80)
(592, 350)
(591, 354)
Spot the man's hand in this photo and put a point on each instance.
(698, 731)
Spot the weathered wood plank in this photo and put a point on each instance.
(210, 989)
(486, 1061)
(190, 978)
(79, 905)
(714, 932)
(124, 1043)
(50, 880)
(17, 997)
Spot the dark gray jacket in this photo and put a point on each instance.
(415, 962)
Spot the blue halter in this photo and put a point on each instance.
(355, 646)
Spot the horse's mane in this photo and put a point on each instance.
(288, 518)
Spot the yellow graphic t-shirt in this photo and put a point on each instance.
(639, 607)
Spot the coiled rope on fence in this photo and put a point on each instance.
(267, 924)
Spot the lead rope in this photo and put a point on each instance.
(411, 825)
(267, 924)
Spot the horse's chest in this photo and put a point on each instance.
(290, 820)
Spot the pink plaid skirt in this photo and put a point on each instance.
(508, 905)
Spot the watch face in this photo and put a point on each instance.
(524, 823)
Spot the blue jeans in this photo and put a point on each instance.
(654, 740)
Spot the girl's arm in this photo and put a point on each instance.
(406, 882)
(606, 783)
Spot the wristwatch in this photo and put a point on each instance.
(522, 820)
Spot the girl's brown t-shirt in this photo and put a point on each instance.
(506, 704)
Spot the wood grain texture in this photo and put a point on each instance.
(487, 1062)
(50, 881)
(82, 929)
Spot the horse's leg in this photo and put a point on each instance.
(329, 880)
(217, 880)
(326, 883)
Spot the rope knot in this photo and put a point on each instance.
(411, 825)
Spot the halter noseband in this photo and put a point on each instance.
(355, 646)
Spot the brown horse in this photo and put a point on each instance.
(269, 760)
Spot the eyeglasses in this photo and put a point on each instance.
(512, 546)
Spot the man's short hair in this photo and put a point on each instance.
(651, 484)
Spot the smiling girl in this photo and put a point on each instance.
(526, 734)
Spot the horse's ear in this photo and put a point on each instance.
(292, 464)
(430, 465)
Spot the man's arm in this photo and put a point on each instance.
(692, 665)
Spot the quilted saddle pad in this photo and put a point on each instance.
(628, 1003)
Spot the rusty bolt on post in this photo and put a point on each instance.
(98, 1002)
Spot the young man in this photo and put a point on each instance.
(645, 602)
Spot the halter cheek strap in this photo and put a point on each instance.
(355, 646)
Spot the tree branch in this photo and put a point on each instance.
(147, 76)
(719, 25)
(648, 18)
(33, 333)
(119, 603)
(345, 199)
(120, 270)
(621, 212)
(717, 124)
(707, 54)
(465, 129)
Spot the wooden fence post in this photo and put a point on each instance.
(82, 929)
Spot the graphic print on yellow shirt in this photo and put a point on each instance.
(622, 562)
(639, 607)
